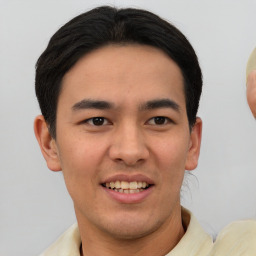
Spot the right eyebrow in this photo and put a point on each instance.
(92, 104)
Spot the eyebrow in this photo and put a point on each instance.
(160, 103)
(92, 104)
(101, 104)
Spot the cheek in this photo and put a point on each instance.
(79, 153)
(172, 152)
(79, 161)
(171, 173)
(251, 98)
(172, 156)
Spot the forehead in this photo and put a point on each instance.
(122, 72)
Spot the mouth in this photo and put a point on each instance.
(127, 187)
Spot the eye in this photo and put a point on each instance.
(159, 120)
(97, 121)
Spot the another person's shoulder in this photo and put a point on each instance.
(68, 244)
(238, 238)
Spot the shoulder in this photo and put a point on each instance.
(238, 238)
(68, 244)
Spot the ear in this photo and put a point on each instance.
(194, 145)
(47, 144)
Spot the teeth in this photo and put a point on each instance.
(133, 185)
(127, 187)
(118, 184)
(129, 191)
(112, 184)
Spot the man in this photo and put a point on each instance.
(119, 92)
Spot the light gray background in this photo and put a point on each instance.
(34, 205)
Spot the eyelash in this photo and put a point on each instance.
(103, 121)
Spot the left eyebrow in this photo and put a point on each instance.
(160, 103)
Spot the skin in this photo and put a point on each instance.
(129, 142)
(251, 91)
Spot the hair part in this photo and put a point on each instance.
(108, 25)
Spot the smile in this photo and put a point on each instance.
(127, 187)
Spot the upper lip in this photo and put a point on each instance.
(128, 178)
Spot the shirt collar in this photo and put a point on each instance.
(195, 242)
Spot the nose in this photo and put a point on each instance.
(128, 146)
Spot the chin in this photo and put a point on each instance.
(130, 232)
(131, 229)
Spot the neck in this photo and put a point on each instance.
(159, 242)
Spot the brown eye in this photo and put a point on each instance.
(159, 120)
(97, 121)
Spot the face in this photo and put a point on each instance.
(251, 91)
(123, 140)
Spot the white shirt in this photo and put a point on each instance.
(237, 239)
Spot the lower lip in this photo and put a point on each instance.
(132, 198)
